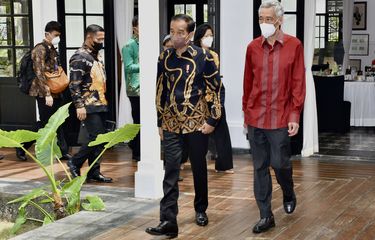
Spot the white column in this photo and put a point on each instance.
(149, 177)
(232, 62)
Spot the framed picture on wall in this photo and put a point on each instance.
(359, 45)
(355, 63)
(360, 16)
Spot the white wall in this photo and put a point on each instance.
(235, 34)
(43, 12)
(366, 60)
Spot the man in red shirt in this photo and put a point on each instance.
(274, 93)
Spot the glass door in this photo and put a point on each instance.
(75, 16)
(17, 110)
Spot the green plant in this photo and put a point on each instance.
(47, 154)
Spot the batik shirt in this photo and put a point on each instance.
(188, 90)
(44, 56)
(88, 81)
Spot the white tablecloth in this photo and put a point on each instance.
(362, 97)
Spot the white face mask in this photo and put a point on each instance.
(55, 41)
(207, 41)
(268, 29)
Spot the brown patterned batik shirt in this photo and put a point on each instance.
(44, 57)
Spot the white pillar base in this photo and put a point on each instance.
(149, 180)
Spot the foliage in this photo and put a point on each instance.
(64, 195)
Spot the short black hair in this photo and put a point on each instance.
(93, 28)
(135, 21)
(190, 22)
(53, 26)
(200, 32)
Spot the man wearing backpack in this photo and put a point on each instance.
(45, 60)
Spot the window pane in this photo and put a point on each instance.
(73, 6)
(205, 13)
(21, 25)
(179, 9)
(94, 6)
(6, 63)
(21, 6)
(322, 31)
(191, 10)
(94, 20)
(69, 54)
(316, 42)
(19, 54)
(320, 6)
(322, 43)
(290, 24)
(5, 31)
(74, 31)
(316, 31)
(5, 7)
(289, 5)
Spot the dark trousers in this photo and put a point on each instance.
(220, 145)
(270, 148)
(173, 147)
(45, 112)
(94, 123)
(135, 144)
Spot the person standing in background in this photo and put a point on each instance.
(130, 55)
(220, 143)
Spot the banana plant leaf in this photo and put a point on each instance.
(125, 133)
(46, 220)
(35, 193)
(47, 134)
(72, 191)
(95, 203)
(20, 220)
(16, 138)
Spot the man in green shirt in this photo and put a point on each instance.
(130, 56)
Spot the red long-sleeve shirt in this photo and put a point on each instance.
(274, 82)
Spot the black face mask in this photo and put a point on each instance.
(97, 46)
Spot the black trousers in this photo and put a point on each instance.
(45, 112)
(94, 123)
(135, 144)
(197, 149)
(220, 145)
(270, 148)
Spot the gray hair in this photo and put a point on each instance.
(276, 5)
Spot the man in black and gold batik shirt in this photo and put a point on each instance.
(188, 107)
(87, 88)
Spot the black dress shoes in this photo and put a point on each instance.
(264, 224)
(290, 204)
(66, 157)
(166, 228)
(99, 178)
(201, 219)
(74, 170)
(21, 155)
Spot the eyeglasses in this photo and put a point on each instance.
(266, 20)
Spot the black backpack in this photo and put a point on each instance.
(26, 73)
